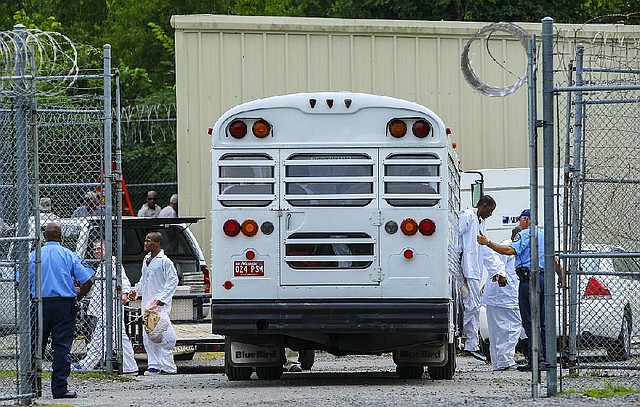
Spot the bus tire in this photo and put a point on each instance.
(306, 358)
(447, 371)
(269, 372)
(235, 373)
(410, 372)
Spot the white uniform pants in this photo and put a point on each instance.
(160, 354)
(292, 358)
(96, 349)
(471, 318)
(504, 331)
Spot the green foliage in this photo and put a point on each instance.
(612, 390)
(150, 162)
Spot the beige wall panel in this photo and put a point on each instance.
(406, 67)
(253, 66)
(319, 73)
(427, 74)
(297, 60)
(341, 69)
(362, 58)
(231, 67)
(275, 64)
(384, 63)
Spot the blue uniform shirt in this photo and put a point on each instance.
(522, 247)
(60, 267)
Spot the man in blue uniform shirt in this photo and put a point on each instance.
(60, 267)
(521, 248)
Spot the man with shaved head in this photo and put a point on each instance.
(157, 285)
(60, 268)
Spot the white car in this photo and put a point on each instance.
(608, 304)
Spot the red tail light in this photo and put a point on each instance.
(231, 227)
(427, 227)
(421, 128)
(408, 254)
(207, 279)
(238, 129)
(596, 288)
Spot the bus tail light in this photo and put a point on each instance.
(231, 227)
(397, 128)
(250, 254)
(261, 128)
(238, 129)
(421, 128)
(267, 228)
(249, 227)
(408, 254)
(227, 285)
(427, 227)
(409, 227)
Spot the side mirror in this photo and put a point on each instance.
(477, 190)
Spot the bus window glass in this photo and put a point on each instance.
(329, 180)
(412, 180)
(246, 180)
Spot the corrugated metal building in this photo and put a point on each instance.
(222, 61)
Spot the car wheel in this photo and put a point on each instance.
(447, 371)
(306, 359)
(269, 372)
(620, 349)
(410, 372)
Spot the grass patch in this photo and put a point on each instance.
(612, 390)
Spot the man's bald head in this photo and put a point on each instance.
(52, 232)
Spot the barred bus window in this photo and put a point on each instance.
(412, 180)
(246, 180)
(329, 180)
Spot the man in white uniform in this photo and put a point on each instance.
(157, 285)
(98, 308)
(471, 223)
(503, 316)
(171, 210)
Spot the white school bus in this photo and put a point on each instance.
(334, 228)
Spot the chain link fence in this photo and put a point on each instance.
(55, 124)
(598, 125)
(148, 131)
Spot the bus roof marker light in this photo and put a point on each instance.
(347, 103)
(421, 128)
(261, 128)
(427, 227)
(238, 129)
(312, 103)
(409, 227)
(397, 128)
(330, 103)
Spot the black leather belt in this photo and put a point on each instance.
(525, 272)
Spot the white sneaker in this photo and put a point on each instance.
(152, 371)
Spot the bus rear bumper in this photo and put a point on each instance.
(331, 317)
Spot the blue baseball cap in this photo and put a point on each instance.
(526, 213)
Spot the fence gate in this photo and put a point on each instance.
(55, 165)
(598, 125)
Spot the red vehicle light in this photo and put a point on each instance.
(231, 227)
(427, 227)
(409, 227)
(238, 129)
(250, 255)
(227, 285)
(596, 288)
(206, 277)
(249, 227)
(397, 128)
(261, 128)
(421, 128)
(408, 254)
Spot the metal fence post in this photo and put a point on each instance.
(548, 153)
(108, 209)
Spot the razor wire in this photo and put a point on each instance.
(46, 55)
(482, 40)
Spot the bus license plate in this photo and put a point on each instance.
(243, 268)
